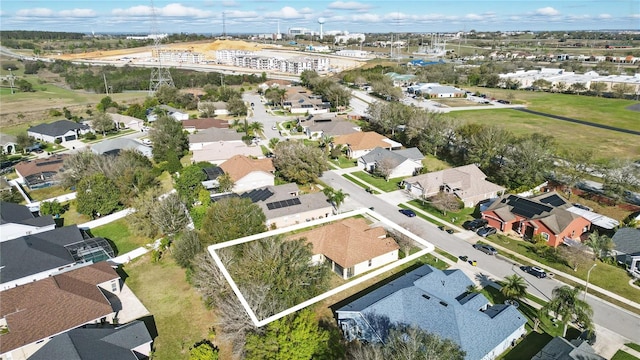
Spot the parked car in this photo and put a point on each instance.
(487, 249)
(535, 271)
(486, 231)
(474, 224)
(407, 212)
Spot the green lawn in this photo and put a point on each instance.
(344, 162)
(355, 181)
(119, 234)
(178, 310)
(71, 216)
(621, 355)
(47, 193)
(380, 183)
(457, 217)
(431, 163)
(634, 346)
(609, 143)
(606, 276)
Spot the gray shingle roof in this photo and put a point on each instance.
(114, 146)
(104, 343)
(378, 155)
(562, 349)
(32, 254)
(428, 298)
(58, 128)
(20, 214)
(214, 134)
(627, 241)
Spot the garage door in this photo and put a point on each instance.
(69, 138)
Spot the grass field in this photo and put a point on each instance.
(180, 315)
(380, 183)
(606, 144)
(118, 232)
(621, 355)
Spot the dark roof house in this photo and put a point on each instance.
(17, 220)
(36, 256)
(626, 243)
(560, 348)
(64, 130)
(127, 342)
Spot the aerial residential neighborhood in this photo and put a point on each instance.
(328, 180)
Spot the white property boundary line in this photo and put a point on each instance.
(428, 247)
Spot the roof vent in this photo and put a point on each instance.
(426, 296)
(443, 303)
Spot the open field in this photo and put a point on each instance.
(180, 315)
(597, 110)
(606, 144)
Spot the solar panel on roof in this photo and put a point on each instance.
(528, 208)
(283, 203)
(553, 200)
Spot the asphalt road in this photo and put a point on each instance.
(606, 315)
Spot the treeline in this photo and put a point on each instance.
(126, 78)
(38, 35)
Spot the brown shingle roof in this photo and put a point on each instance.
(53, 305)
(240, 166)
(363, 140)
(205, 123)
(31, 167)
(349, 242)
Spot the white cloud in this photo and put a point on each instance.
(179, 10)
(286, 12)
(369, 18)
(236, 14)
(547, 11)
(78, 13)
(605, 16)
(140, 10)
(230, 3)
(635, 16)
(37, 12)
(348, 5)
(474, 17)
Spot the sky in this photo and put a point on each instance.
(263, 16)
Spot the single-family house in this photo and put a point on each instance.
(219, 152)
(127, 122)
(213, 135)
(400, 79)
(283, 205)
(544, 215)
(301, 101)
(392, 163)
(8, 144)
(626, 242)
(172, 112)
(114, 146)
(468, 183)
(40, 173)
(438, 302)
(350, 247)
(36, 256)
(34, 313)
(327, 125)
(131, 341)
(61, 130)
(247, 173)
(211, 180)
(193, 125)
(17, 220)
(560, 348)
(359, 144)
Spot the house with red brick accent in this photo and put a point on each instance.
(544, 215)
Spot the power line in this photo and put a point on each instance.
(160, 75)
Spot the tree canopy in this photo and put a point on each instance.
(232, 218)
(97, 196)
(168, 137)
(298, 162)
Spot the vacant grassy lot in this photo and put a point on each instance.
(180, 315)
(606, 144)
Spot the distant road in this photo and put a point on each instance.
(563, 118)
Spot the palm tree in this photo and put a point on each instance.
(336, 197)
(514, 287)
(600, 244)
(566, 304)
(255, 127)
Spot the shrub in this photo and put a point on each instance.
(90, 136)
(58, 141)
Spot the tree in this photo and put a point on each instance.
(255, 127)
(170, 215)
(295, 337)
(445, 202)
(602, 245)
(408, 342)
(97, 196)
(620, 176)
(203, 350)
(225, 183)
(236, 107)
(24, 141)
(51, 208)
(574, 166)
(514, 287)
(185, 248)
(136, 111)
(578, 88)
(574, 257)
(620, 90)
(188, 182)
(167, 94)
(102, 122)
(12, 195)
(275, 95)
(106, 103)
(168, 136)
(140, 221)
(598, 88)
(231, 218)
(299, 163)
(566, 304)
(336, 197)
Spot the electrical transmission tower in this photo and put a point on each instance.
(160, 74)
